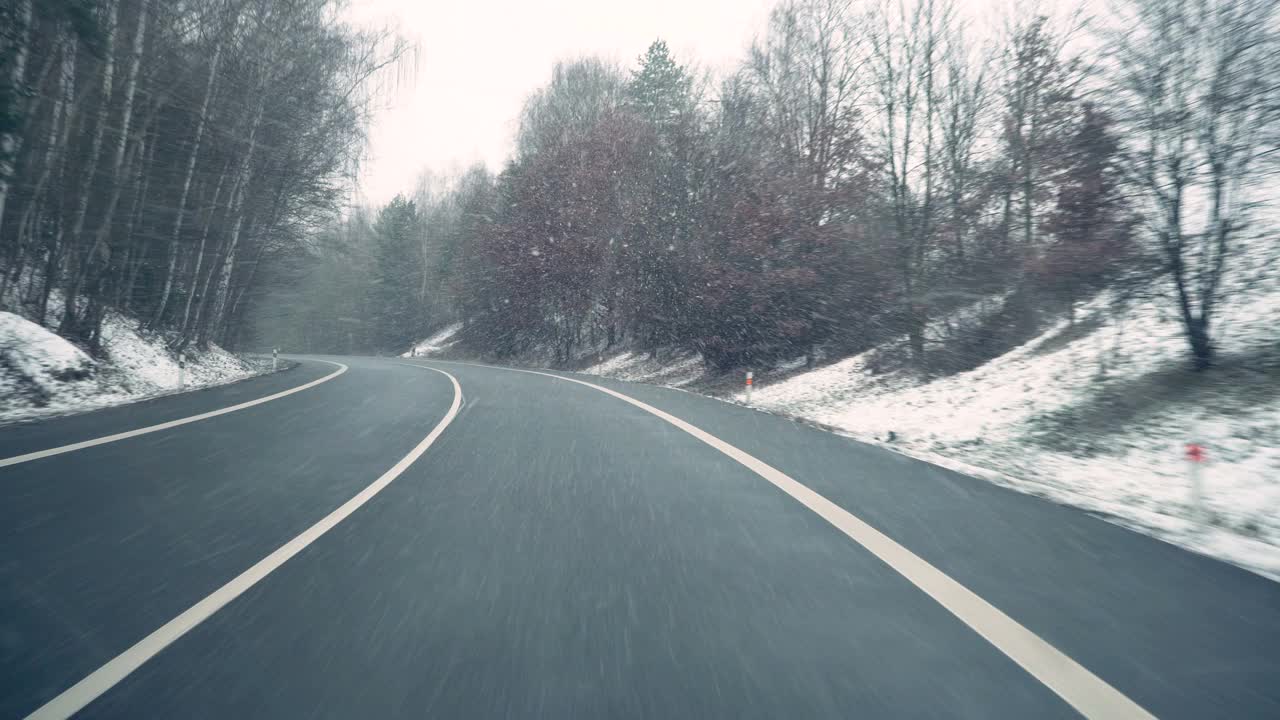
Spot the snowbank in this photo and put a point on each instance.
(638, 367)
(35, 363)
(436, 343)
(42, 374)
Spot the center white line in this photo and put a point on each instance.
(76, 697)
(1089, 694)
(4, 462)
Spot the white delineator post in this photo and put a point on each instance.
(1195, 465)
(275, 358)
(182, 367)
(750, 378)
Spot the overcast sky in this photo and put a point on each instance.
(479, 59)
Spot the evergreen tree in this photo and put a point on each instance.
(398, 272)
(1040, 110)
(1091, 225)
(660, 95)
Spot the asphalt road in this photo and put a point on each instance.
(556, 551)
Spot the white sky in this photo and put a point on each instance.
(479, 59)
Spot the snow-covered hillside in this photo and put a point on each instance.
(43, 374)
(1097, 415)
(437, 343)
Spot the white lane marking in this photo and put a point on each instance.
(172, 423)
(76, 697)
(1089, 694)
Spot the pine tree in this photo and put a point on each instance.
(1091, 225)
(1040, 108)
(660, 95)
(660, 91)
(398, 271)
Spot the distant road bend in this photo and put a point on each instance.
(372, 537)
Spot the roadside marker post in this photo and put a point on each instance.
(1195, 464)
(275, 358)
(182, 367)
(750, 379)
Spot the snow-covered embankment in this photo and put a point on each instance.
(43, 374)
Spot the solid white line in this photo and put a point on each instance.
(1089, 694)
(76, 697)
(172, 423)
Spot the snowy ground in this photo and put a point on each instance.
(678, 371)
(42, 374)
(438, 342)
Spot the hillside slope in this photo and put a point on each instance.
(43, 374)
(1097, 415)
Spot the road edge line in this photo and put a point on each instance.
(78, 696)
(50, 452)
(1087, 693)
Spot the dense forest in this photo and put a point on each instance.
(867, 169)
(155, 155)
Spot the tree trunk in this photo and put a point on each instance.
(121, 142)
(142, 183)
(204, 239)
(233, 239)
(54, 248)
(176, 233)
(1201, 345)
(273, 217)
(1028, 217)
(11, 141)
(226, 336)
(70, 322)
(1006, 219)
(59, 118)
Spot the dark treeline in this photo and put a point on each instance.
(866, 171)
(154, 154)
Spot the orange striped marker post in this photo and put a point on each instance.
(750, 378)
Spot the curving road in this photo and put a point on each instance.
(429, 539)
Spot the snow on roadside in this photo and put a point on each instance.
(1040, 418)
(42, 374)
(43, 360)
(438, 342)
(678, 371)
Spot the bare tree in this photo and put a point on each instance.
(152, 153)
(907, 66)
(966, 101)
(202, 118)
(75, 257)
(20, 41)
(808, 69)
(1196, 80)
